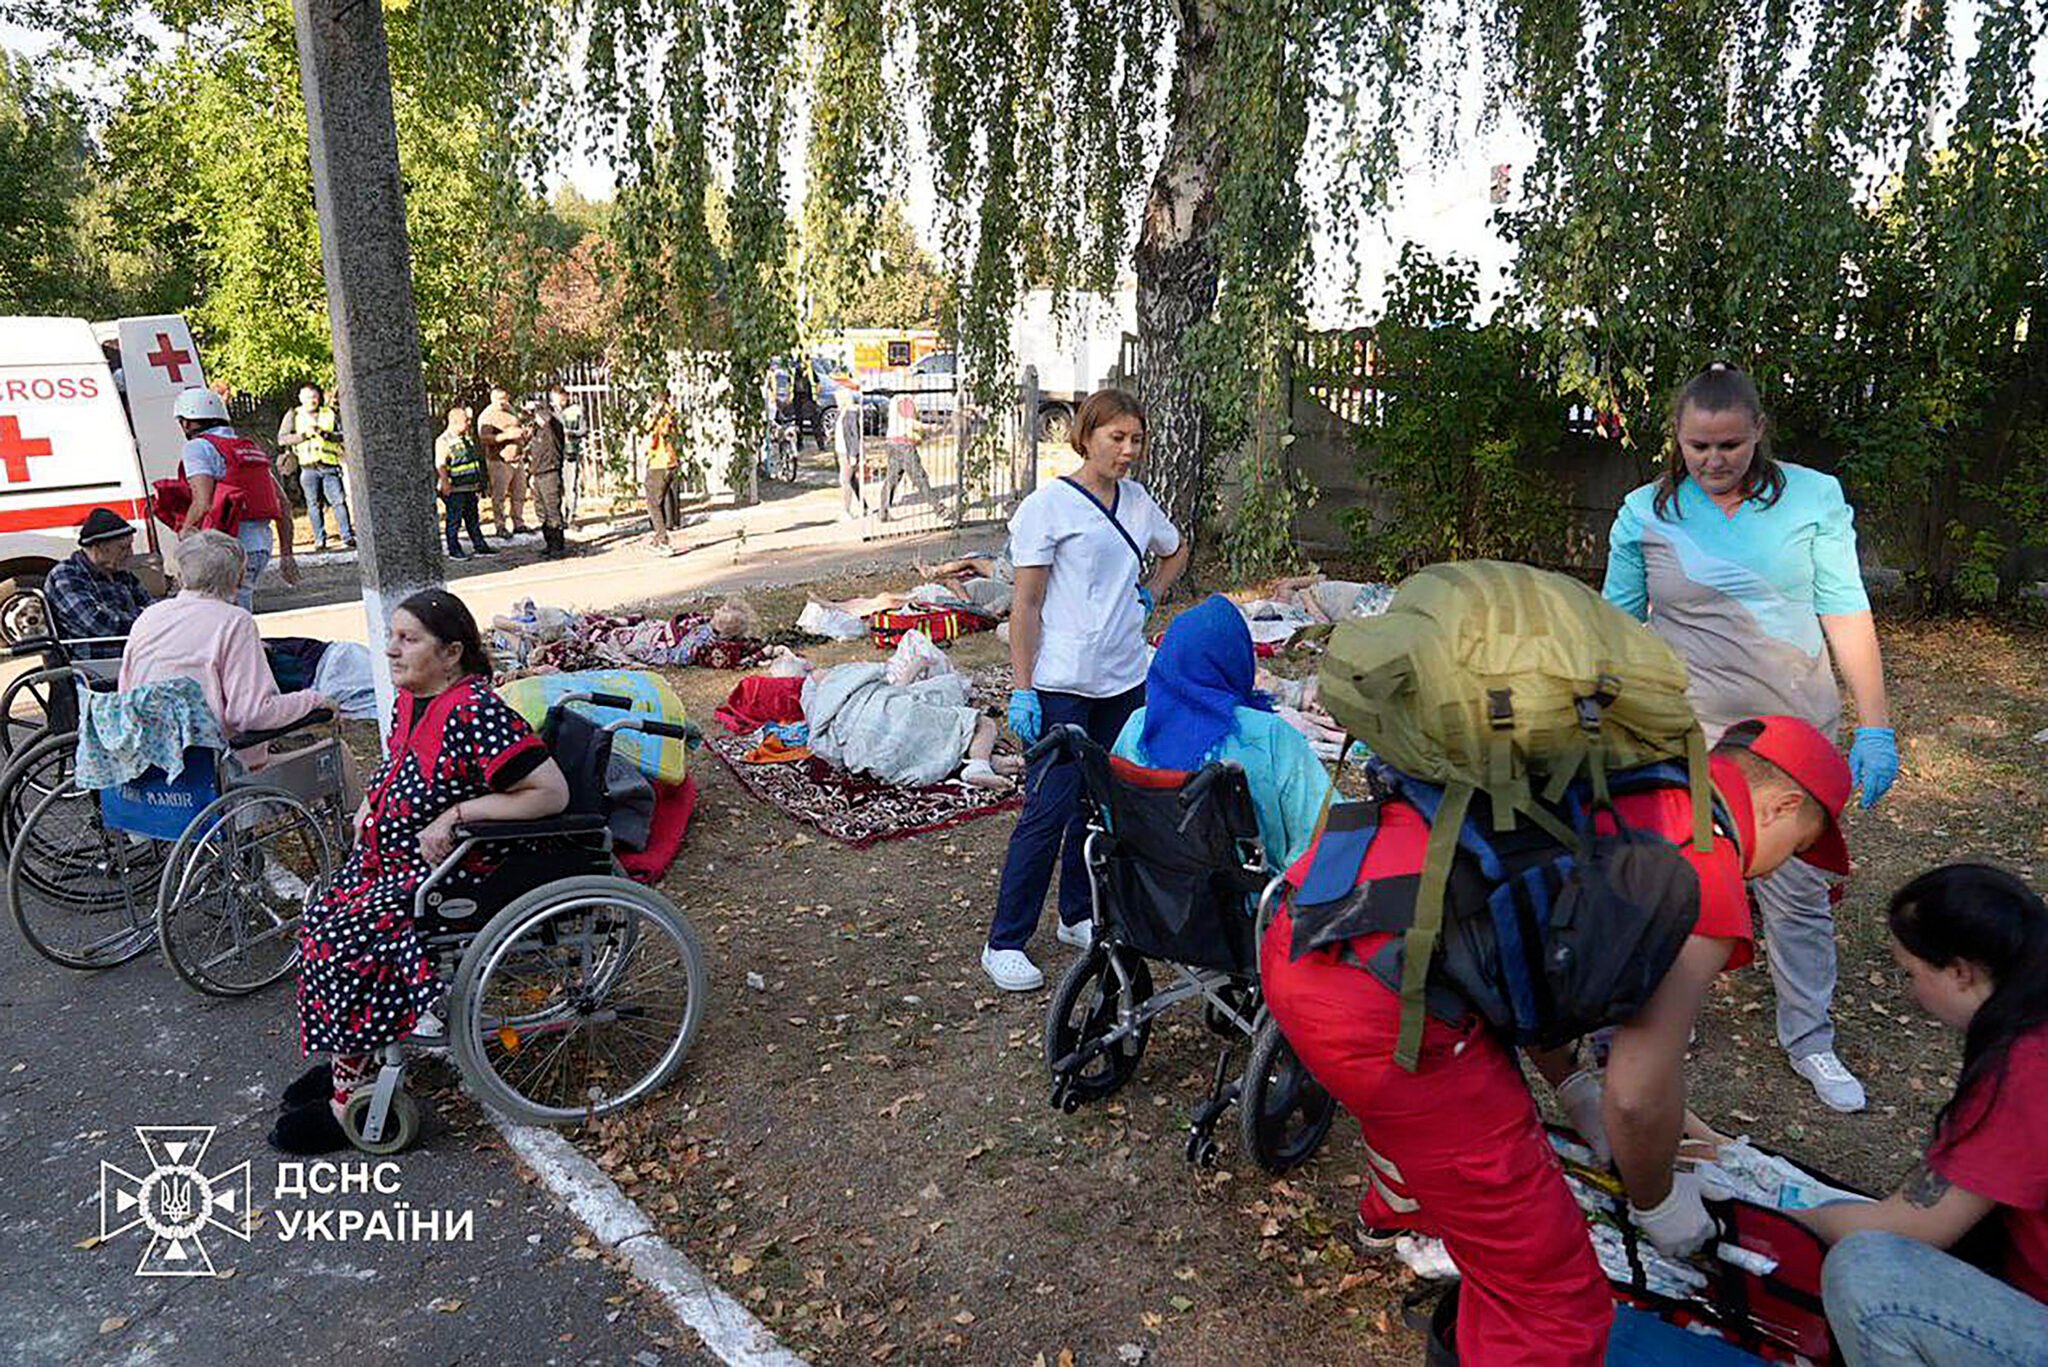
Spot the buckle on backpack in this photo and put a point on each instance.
(1500, 708)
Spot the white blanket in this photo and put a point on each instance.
(914, 736)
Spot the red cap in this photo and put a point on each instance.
(1811, 760)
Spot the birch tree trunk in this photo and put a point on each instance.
(1177, 265)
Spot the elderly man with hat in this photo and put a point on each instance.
(93, 594)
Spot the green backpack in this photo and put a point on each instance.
(1485, 677)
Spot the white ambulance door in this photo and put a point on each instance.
(158, 363)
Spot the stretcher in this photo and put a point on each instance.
(1753, 1297)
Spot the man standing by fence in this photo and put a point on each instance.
(545, 450)
(570, 412)
(502, 437)
(312, 432)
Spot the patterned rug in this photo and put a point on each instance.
(853, 808)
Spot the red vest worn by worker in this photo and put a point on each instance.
(249, 472)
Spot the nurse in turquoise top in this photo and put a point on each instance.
(1747, 566)
(1200, 706)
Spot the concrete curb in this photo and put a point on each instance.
(730, 1333)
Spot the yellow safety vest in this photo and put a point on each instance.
(320, 446)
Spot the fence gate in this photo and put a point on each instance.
(957, 462)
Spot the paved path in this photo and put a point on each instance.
(90, 1057)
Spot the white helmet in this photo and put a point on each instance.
(201, 405)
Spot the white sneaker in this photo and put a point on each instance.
(1011, 969)
(1835, 1084)
(1081, 934)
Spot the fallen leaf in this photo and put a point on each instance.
(448, 1307)
(1180, 1303)
(964, 1318)
(112, 1324)
(741, 1265)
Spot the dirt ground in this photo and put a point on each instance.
(862, 1149)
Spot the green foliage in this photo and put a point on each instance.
(1461, 446)
(1701, 192)
(46, 179)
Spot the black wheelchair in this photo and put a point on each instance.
(211, 865)
(1178, 877)
(573, 991)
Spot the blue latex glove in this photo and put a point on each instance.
(1874, 761)
(1026, 718)
(1145, 597)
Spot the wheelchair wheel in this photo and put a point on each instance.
(234, 889)
(401, 1123)
(579, 998)
(25, 712)
(1090, 999)
(80, 892)
(1283, 1113)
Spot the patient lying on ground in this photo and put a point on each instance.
(915, 734)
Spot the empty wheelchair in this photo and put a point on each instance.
(210, 865)
(573, 991)
(1178, 879)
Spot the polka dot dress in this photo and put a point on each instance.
(364, 976)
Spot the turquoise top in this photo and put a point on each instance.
(1741, 595)
(1288, 782)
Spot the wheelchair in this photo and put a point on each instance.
(1174, 863)
(210, 866)
(573, 991)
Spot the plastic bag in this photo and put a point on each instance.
(834, 624)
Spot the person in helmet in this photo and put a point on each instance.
(234, 489)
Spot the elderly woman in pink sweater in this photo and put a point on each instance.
(201, 634)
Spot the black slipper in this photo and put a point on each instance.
(316, 1083)
(308, 1129)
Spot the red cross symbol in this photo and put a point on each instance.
(172, 360)
(16, 449)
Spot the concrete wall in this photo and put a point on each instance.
(1595, 474)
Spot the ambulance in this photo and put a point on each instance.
(85, 422)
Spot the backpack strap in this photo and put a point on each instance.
(1418, 945)
(1347, 835)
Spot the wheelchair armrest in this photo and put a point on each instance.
(35, 645)
(564, 823)
(319, 716)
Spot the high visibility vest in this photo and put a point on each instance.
(465, 464)
(320, 446)
(249, 470)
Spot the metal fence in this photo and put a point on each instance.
(962, 462)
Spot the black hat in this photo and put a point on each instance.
(103, 524)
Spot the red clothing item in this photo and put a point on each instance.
(1455, 1148)
(1997, 1147)
(759, 700)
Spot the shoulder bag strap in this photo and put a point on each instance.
(1121, 530)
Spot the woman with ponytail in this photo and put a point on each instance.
(1747, 565)
(1974, 942)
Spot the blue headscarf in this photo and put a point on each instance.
(1201, 675)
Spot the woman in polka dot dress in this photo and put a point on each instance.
(458, 753)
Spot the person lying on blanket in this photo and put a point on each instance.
(1973, 941)
(915, 736)
(1333, 600)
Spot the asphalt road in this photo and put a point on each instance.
(88, 1057)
